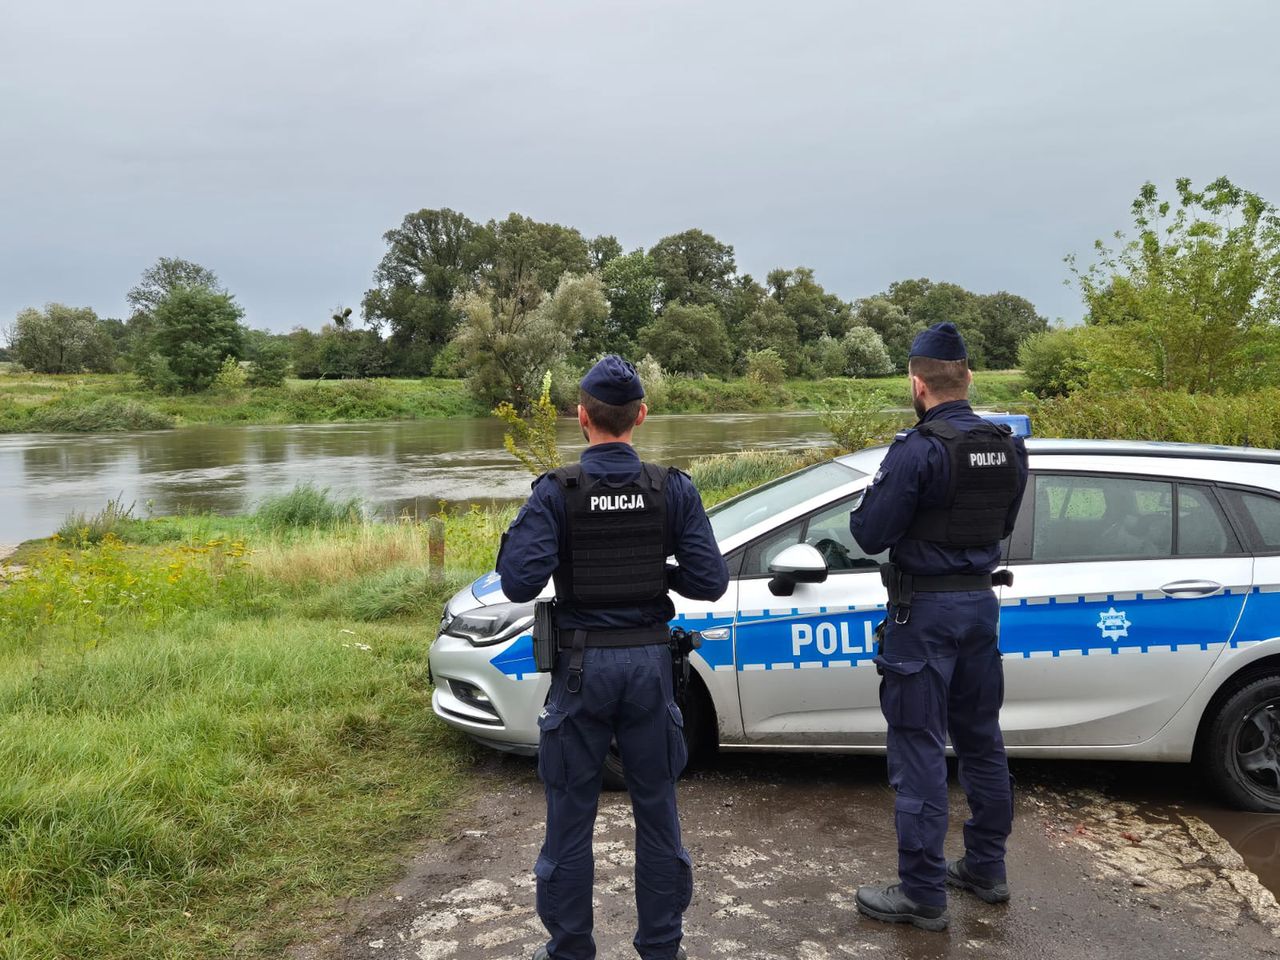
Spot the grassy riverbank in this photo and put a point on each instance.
(214, 728)
(31, 403)
(210, 727)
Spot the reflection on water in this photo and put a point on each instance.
(1256, 836)
(410, 465)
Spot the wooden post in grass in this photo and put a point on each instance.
(435, 547)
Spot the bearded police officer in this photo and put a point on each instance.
(602, 529)
(946, 494)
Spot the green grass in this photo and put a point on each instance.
(211, 728)
(214, 730)
(708, 395)
(32, 403)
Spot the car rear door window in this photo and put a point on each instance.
(1261, 518)
(1203, 530)
(1094, 518)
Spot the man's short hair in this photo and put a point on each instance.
(613, 419)
(944, 378)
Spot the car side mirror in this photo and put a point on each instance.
(799, 563)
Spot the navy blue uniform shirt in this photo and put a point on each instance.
(914, 476)
(531, 548)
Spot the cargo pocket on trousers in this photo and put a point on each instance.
(545, 898)
(684, 884)
(551, 764)
(677, 749)
(904, 693)
(907, 812)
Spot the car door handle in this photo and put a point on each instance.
(716, 633)
(1185, 589)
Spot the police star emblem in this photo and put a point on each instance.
(1113, 624)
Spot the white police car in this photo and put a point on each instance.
(1143, 622)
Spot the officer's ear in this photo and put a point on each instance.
(583, 420)
(642, 413)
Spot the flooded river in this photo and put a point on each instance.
(395, 467)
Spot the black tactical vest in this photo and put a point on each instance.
(614, 549)
(984, 484)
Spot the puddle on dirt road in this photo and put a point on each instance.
(1161, 788)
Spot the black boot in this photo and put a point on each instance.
(893, 906)
(992, 891)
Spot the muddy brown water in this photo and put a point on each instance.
(1158, 788)
(395, 467)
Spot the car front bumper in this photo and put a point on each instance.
(496, 708)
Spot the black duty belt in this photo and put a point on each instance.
(903, 586)
(637, 637)
(575, 642)
(961, 581)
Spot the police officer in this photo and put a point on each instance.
(946, 494)
(602, 529)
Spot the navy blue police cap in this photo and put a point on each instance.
(613, 381)
(942, 341)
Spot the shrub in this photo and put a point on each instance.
(728, 474)
(270, 366)
(865, 354)
(307, 505)
(765, 366)
(861, 422)
(1054, 361)
(653, 378)
(230, 376)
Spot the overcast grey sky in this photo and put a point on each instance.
(275, 141)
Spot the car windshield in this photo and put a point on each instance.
(769, 499)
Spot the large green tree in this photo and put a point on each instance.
(506, 344)
(891, 322)
(768, 327)
(61, 339)
(813, 311)
(432, 257)
(1007, 320)
(688, 338)
(693, 267)
(631, 286)
(527, 258)
(196, 329)
(1192, 300)
(153, 287)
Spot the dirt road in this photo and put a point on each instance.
(779, 844)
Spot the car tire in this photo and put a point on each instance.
(695, 711)
(1240, 751)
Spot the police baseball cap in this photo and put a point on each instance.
(613, 381)
(942, 341)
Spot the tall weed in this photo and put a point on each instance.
(307, 505)
(1250, 419)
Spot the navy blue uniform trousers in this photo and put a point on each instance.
(626, 695)
(942, 674)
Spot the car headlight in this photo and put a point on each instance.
(487, 625)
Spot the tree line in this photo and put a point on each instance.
(502, 302)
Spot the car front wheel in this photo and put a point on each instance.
(1241, 749)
